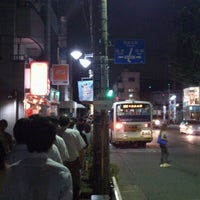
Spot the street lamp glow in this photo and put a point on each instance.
(85, 62)
(76, 54)
(172, 98)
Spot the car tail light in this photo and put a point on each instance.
(147, 125)
(118, 125)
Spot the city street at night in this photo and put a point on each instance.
(141, 177)
(82, 79)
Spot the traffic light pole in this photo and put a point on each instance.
(99, 35)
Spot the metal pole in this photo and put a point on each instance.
(16, 97)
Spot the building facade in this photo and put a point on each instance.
(191, 103)
(29, 32)
(128, 83)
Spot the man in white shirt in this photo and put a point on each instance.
(75, 144)
(59, 142)
(37, 176)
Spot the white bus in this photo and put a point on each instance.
(130, 122)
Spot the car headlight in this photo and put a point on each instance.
(190, 130)
(157, 122)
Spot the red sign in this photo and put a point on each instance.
(60, 74)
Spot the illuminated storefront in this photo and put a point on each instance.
(39, 98)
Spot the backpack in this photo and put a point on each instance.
(160, 140)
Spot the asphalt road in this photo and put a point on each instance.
(141, 178)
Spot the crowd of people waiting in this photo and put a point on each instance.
(44, 158)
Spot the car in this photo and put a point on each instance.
(190, 127)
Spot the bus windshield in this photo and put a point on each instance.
(133, 112)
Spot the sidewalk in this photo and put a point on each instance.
(86, 188)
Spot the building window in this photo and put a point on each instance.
(19, 54)
(130, 90)
(119, 81)
(120, 90)
(131, 79)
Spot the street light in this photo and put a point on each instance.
(85, 62)
(76, 54)
(172, 98)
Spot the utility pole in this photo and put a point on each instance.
(99, 40)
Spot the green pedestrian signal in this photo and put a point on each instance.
(109, 94)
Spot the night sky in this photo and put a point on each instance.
(151, 20)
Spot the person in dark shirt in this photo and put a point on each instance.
(162, 141)
(5, 137)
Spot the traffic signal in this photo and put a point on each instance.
(109, 94)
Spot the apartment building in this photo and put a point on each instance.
(126, 85)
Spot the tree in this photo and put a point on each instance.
(186, 60)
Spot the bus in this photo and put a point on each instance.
(130, 121)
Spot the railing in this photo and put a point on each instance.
(116, 191)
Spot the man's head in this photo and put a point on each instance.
(3, 124)
(42, 135)
(63, 121)
(21, 130)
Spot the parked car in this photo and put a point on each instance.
(190, 127)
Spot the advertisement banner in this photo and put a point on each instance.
(85, 90)
(60, 74)
(191, 96)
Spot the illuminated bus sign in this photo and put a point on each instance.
(125, 106)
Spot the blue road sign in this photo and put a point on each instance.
(129, 52)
